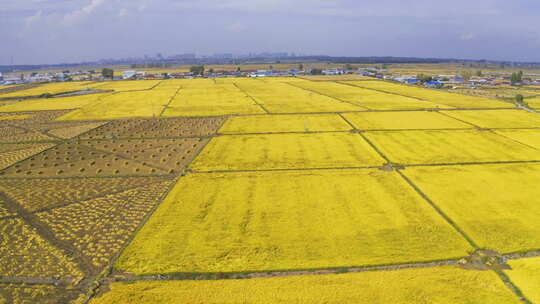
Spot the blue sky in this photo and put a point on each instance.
(52, 31)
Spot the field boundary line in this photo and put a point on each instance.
(329, 96)
(43, 230)
(439, 210)
(513, 287)
(461, 120)
(169, 103)
(215, 276)
(279, 170)
(252, 98)
(383, 91)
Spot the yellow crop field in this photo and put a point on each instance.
(525, 273)
(529, 137)
(170, 84)
(456, 146)
(51, 88)
(209, 99)
(403, 120)
(284, 123)
(286, 151)
(290, 220)
(128, 85)
(123, 105)
(442, 285)
(280, 79)
(498, 118)
(533, 102)
(280, 97)
(60, 103)
(440, 97)
(496, 205)
(370, 99)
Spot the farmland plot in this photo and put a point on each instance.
(444, 285)
(525, 273)
(528, 137)
(456, 146)
(439, 97)
(149, 103)
(51, 88)
(286, 151)
(212, 100)
(12, 153)
(498, 206)
(284, 123)
(35, 293)
(129, 85)
(289, 220)
(370, 99)
(26, 254)
(498, 118)
(279, 97)
(407, 120)
(170, 127)
(59, 103)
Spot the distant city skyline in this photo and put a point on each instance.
(64, 31)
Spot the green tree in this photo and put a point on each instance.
(301, 67)
(197, 70)
(107, 73)
(238, 69)
(316, 71)
(479, 73)
(348, 66)
(519, 99)
(466, 75)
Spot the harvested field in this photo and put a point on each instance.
(46, 193)
(14, 117)
(36, 293)
(172, 127)
(16, 134)
(445, 285)
(286, 151)
(525, 274)
(258, 221)
(12, 153)
(403, 121)
(456, 146)
(26, 254)
(98, 228)
(284, 123)
(498, 206)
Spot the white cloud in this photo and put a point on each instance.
(467, 36)
(79, 15)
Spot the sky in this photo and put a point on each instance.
(55, 31)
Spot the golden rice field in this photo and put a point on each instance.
(526, 274)
(446, 147)
(292, 220)
(269, 190)
(369, 99)
(414, 120)
(444, 285)
(444, 98)
(51, 88)
(496, 205)
(287, 151)
(211, 100)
